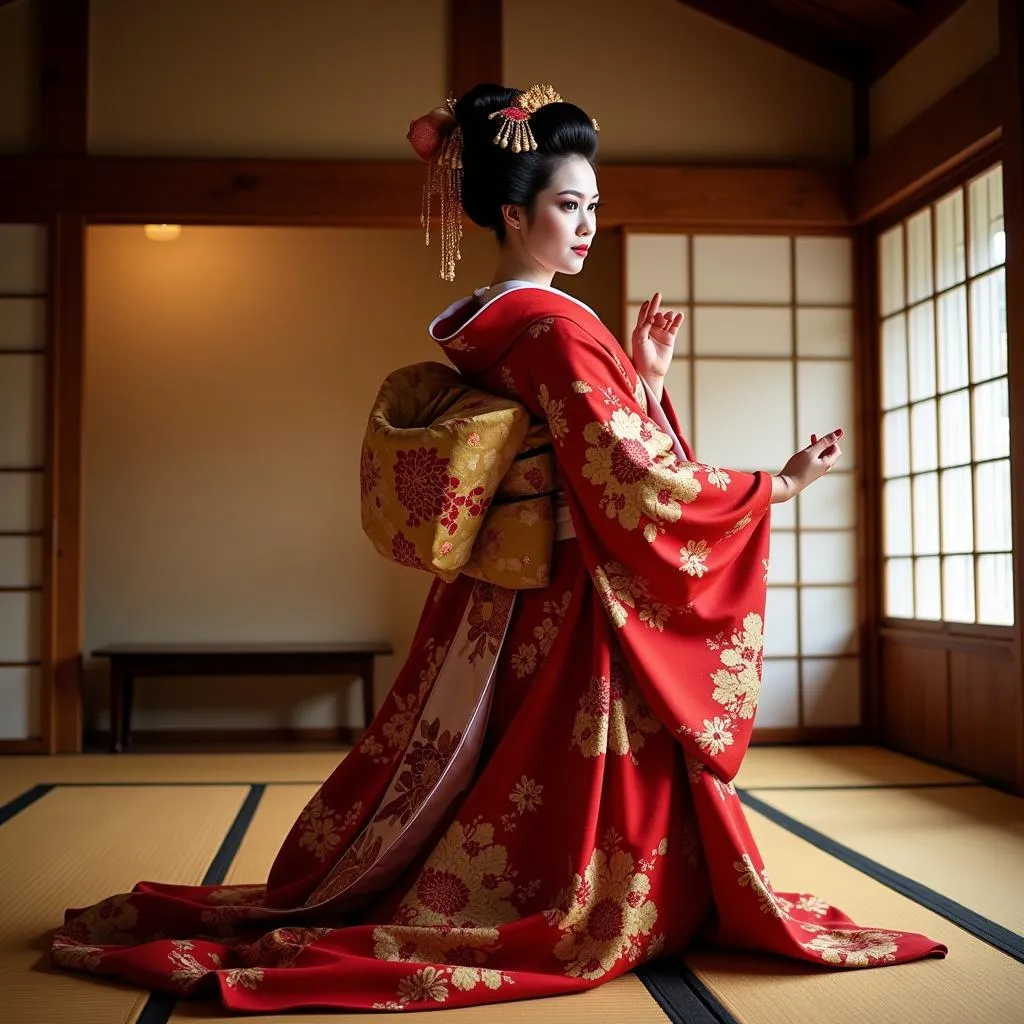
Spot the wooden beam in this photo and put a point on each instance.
(475, 44)
(827, 50)
(1011, 35)
(964, 122)
(63, 76)
(381, 194)
(63, 110)
(896, 45)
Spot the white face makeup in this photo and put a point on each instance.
(564, 220)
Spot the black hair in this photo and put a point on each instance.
(492, 176)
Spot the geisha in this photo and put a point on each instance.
(544, 800)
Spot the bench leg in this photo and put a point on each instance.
(116, 708)
(126, 720)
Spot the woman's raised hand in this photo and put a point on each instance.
(654, 340)
(810, 464)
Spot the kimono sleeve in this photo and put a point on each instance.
(676, 549)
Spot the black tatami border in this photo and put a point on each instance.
(970, 921)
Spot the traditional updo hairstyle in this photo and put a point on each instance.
(492, 176)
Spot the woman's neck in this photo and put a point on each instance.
(511, 267)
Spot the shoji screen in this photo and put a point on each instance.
(765, 358)
(22, 425)
(946, 412)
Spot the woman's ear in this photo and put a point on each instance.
(511, 216)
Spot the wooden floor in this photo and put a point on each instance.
(892, 841)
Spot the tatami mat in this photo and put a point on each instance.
(79, 843)
(72, 848)
(837, 766)
(131, 767)
(967, 844)
(975, 982)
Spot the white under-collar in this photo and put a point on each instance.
(494, 293)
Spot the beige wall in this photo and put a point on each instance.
(968, 39)
(18, 74)
(229, 375)
(262, 78)
(327, 78)
(668, 83)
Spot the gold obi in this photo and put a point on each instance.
(456, 480)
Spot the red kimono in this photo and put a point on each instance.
(544, 799)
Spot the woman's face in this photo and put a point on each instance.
(556, 237)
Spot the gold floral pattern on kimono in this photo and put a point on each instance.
(761, 886)
(106, 923)
(547, 631)
(738, 686)
(465, 882)
(187, 971)
(554, 410)
(75, 956)
(457, 946)
(488, 616)
(621, 591)
(540, 327)
(694, 557)
(811, 904)
(717, 735)
(524, 661)
(635, 464)
(235, 895)
(280, 947)
(244, 977)
(425, 761)
(398, 728)
(718, 477)
(322, 829)
(527, 795)
(604, 913)
(613, 716)
(860, 947)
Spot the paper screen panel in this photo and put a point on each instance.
(20, 627)
(22, 259)
(657, 263)
(778, 706)
(22, 410)
(20, 691)
(21, 502)
(828, 620)
(22, 324)
(742, 331)
(741, 269)
(824, 271)
(824, 332)
(744, 413)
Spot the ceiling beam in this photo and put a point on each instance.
(387, 194)
(896, 44)
(964, 122)
(826, 50)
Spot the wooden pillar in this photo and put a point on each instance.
(1011, 44)
(64, 53)
(475, 44)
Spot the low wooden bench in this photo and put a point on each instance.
(130, 661)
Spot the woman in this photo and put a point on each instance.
(544, 800)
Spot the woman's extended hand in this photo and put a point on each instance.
(654, 341)
(808, 465)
